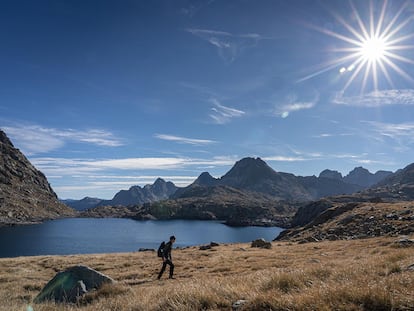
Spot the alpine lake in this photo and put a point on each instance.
(112, 235)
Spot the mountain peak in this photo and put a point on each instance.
(205, 179)
(248, 171)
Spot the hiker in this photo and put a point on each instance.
(166, 258)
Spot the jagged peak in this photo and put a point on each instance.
(159, 180)
(205, 179)
(330, 174)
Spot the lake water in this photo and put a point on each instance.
(109, 235)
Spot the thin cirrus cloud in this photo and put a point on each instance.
(377, 98)
(85, 167)
(185, 140)
(34, 139)
(401, 132)
(228, 45)
(294, 105)
(221, 114)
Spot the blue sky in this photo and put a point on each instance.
(103, 95)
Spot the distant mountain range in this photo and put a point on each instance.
(136, 195)
(251, 175)
(251, 192)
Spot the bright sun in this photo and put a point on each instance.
(372, 48)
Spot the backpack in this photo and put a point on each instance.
(160, 251)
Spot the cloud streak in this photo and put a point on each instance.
(222, 114)
(228, 45)
(65, 166)
(185, 140)
(403, 133)
(377, 99)
(34, 139)
(294, 105)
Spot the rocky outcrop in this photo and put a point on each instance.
(72, 284)
(345, 221)
(261, 243)
(25, 194)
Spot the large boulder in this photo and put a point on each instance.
(71, 284)
(261, 243)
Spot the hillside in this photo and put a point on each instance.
(232, 205)
(385, 209)
(350, 221)
(25, 194)
(83, 204)
(360, 275)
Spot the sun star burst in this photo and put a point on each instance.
(372, 48)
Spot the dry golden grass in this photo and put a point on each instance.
(370, 274)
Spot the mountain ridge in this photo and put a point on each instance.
(25, 194)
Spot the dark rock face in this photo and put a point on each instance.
(309, 212)
(71, 284)
(205, 179)
(25, 194)
(255, 175)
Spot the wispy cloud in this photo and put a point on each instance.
(403, 133)
(222, 114)
(284, 159)
(35, 139)
(378, 98)
(293, 104)
(185, 140)
(194, 7)
(228, 45)
(65, 166)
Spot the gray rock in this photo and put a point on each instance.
(71, 284)
(146, 249)
(404, 242)
(205, 247)
(208, 246)
(238, 304)
(261, 243)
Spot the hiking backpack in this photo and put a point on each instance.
(160, 251)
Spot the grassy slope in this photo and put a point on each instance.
(368, 274)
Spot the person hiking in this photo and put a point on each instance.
(166, 258)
